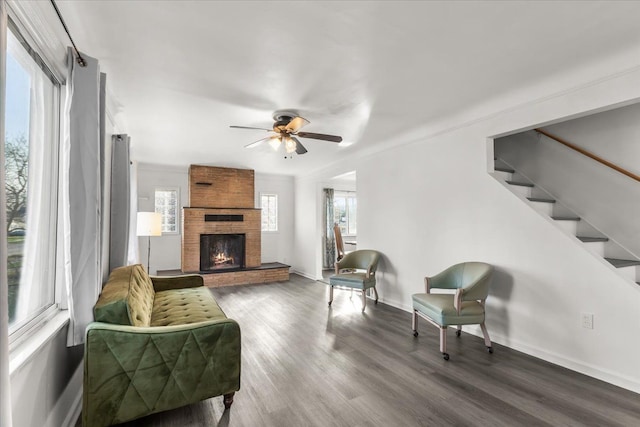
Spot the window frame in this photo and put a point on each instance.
(24, 329)
(277, 213)
(346, 195)
(178, 208)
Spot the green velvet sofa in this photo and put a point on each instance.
(157, 343)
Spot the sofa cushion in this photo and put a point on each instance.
(127, 298)
(184, 306)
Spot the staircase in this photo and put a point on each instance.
(626, 264)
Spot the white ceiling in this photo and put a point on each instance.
(181, 72)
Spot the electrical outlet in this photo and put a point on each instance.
(587, 320)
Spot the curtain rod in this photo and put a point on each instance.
(79, 59)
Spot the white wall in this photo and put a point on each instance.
(165, 249)
(307, 242)
(431, 203)
(278, 246)
(612, 135)
(47, 389)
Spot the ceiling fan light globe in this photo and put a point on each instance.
(275, 142)
(289, 145)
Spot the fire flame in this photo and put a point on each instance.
(222, 258)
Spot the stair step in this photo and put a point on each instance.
(540, 199)
(586, 239)
(566, 218)
(619, 263)
(521, 184)
(503, 169)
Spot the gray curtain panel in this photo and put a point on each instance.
(120, 201)
(105, 177)
(84, 194)
(329, 252)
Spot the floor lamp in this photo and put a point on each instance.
(149, 224)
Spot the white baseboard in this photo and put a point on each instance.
(551, 357)
(564, 361)
(303, 274)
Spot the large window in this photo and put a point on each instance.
(269, 205)
(345, 207)
(166, 201)
(31, 159)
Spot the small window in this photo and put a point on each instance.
(166, 204)
(269, 205)
(345, 206)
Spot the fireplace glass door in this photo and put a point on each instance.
(221, 251)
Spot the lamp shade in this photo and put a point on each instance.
(149, 224)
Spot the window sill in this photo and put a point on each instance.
(26, 349)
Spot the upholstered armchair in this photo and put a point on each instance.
(470, 281)
(357, 270)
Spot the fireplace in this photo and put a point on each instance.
(221, 252)
(221, 233)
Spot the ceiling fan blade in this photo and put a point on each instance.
(296, 124)
(299, 147)
(256, 143)
(249, 127)
(322, 136)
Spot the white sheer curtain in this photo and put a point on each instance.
(36, 260)
(81, 146)
(5, 391)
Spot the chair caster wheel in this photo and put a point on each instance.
(376, 302)
(445, 356)
(490, 350)
(415, 333)
(330, 303)
(458, 333)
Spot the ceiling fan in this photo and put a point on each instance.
(287, 127)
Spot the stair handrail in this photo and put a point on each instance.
(589, 154)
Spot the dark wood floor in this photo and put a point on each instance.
(304, 364)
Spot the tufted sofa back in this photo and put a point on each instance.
(127, 298)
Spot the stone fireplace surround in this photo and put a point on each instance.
(222, 202)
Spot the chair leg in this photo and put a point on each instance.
(228, 400)
(330, 295)
(414, 323)
(364, 299)
(443, 342)
(487, 340)
(375, 292)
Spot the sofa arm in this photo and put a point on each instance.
(131, 372)
(165, 283)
